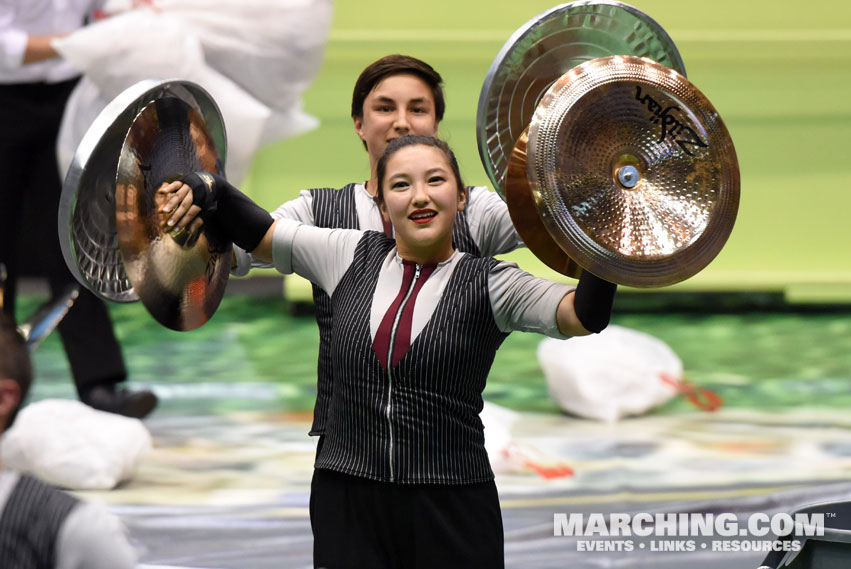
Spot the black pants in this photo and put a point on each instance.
(361, 524)
(30, 186)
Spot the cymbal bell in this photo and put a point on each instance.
(632, 171)
(179, 278)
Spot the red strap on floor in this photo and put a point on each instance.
(702, 397)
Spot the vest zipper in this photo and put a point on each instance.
(390, 364)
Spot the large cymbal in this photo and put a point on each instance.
(180, 279)
(633, 172)
(87, 230)
(541, 51)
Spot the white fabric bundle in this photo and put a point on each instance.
(255, 57)
(73, 446)
(616, 373)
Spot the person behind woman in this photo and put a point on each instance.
(403, 479)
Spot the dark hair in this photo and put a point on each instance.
(14, 360)
(397, 65)
(415, 140)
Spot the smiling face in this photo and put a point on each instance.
(396, 106)
(421, 198)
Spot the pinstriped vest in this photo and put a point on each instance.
(335, 209)
(418, 422)
(29, 524)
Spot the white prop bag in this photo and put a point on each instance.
(255, 57)
(613, 374)
(71, 445)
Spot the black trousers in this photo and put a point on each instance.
(30, 186)
(362, 524)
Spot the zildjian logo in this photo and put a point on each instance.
(682, 134)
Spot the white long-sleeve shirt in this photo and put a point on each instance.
(20, 19)
(89, 538)
(487, 217)
(519, 301)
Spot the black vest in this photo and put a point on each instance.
(335, 209)
(419, 421)
(30, 523)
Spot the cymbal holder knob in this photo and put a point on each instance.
(628, 176)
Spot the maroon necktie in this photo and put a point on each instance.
(402, 339)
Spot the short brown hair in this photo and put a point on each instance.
(397, 65)
(14, 359)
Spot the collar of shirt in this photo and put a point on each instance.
(390, 281)
(369, 215)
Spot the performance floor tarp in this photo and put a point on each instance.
(227, 484)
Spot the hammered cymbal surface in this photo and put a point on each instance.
(541, 51)
(525, 218)
(180, 278)
(86, 221)
(633, 171)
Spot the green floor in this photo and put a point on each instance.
(254, 355)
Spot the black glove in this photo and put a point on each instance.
(593, 301)
(229, 212)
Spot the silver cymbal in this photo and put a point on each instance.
(179, 278)
(541, 51)
(86, 221)
(633, 172)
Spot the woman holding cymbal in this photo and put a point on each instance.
(403, 478)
